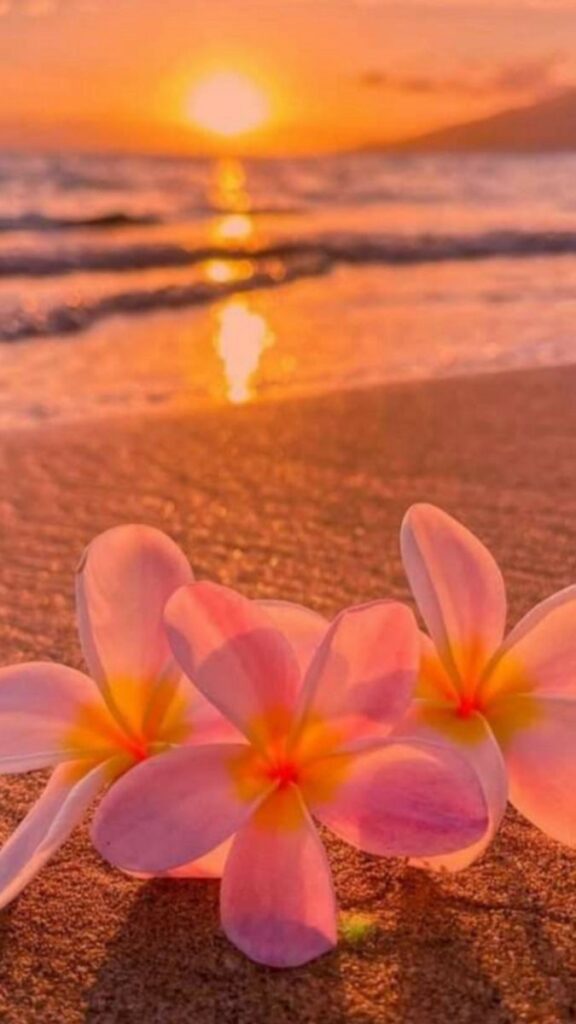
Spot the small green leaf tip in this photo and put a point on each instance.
(356, 929)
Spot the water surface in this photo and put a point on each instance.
(140, 281)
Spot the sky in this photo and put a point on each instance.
(120, 74)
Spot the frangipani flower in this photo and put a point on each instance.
(315, 743)
(510, 703)
(93, 730)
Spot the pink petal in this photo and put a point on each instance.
(458, 588)
(475, 741)
(303, 628)
(41, 705)
(364, 672)
(277, 900)
(408, 798)
(59, 809)
(124, 580)
(209, 866)
(181, 714)
(434, 681)
(540, 653)
(174, 808)
(231, 649)
(541, 762)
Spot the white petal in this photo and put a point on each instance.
(53, 817)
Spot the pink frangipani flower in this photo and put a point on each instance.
(92, 730)
(315, 716)
(510, 704)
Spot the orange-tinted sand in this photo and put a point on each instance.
(304, 500)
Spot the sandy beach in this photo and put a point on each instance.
(301, 498)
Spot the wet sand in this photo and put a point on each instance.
(301, 499)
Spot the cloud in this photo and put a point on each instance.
(28, 8)
(488, 6)
(40, 8)
(43, 8)
(544, 73)
(495, 5)
(536, 77)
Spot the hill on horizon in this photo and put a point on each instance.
(545, 126)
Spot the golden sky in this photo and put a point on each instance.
(333, 73)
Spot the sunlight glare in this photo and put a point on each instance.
(228, 104)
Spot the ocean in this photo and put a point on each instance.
(133, 282)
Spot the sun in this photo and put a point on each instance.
(228, 103)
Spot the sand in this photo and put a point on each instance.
(300, 499)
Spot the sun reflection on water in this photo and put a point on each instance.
(233, 227)
(229, 196)
(228, 191)
(228, 271)
(241, 338)
(242, 335)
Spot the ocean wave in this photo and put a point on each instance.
(338, 248)
(62, 318)
(270, 266)
(41, 222)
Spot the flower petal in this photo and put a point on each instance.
(49, 713)
(475, 741)
(174, 808)
(362, 676)
(209, 866)
(277, 900)
(409, 798)
(539, 655)
(303, 628)
(187, 717)
(541, 763)
(232, 650)
(55, 814)
(458, 588)
(434, 681)
(124, 580)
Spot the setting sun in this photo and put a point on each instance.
(228, 103)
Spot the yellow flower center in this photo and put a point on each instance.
(455, 705)
(134, 723)
(308, 759)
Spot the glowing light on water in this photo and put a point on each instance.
(234, 227)
(228, 191)
(242, 337)
(229, 195)
(227, 271)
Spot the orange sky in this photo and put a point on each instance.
(337, 73)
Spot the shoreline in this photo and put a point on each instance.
(206, 407)
(300, 498)
(379, 326)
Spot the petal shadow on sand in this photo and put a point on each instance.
(5, 929)
(493, 950)
(170, 961)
